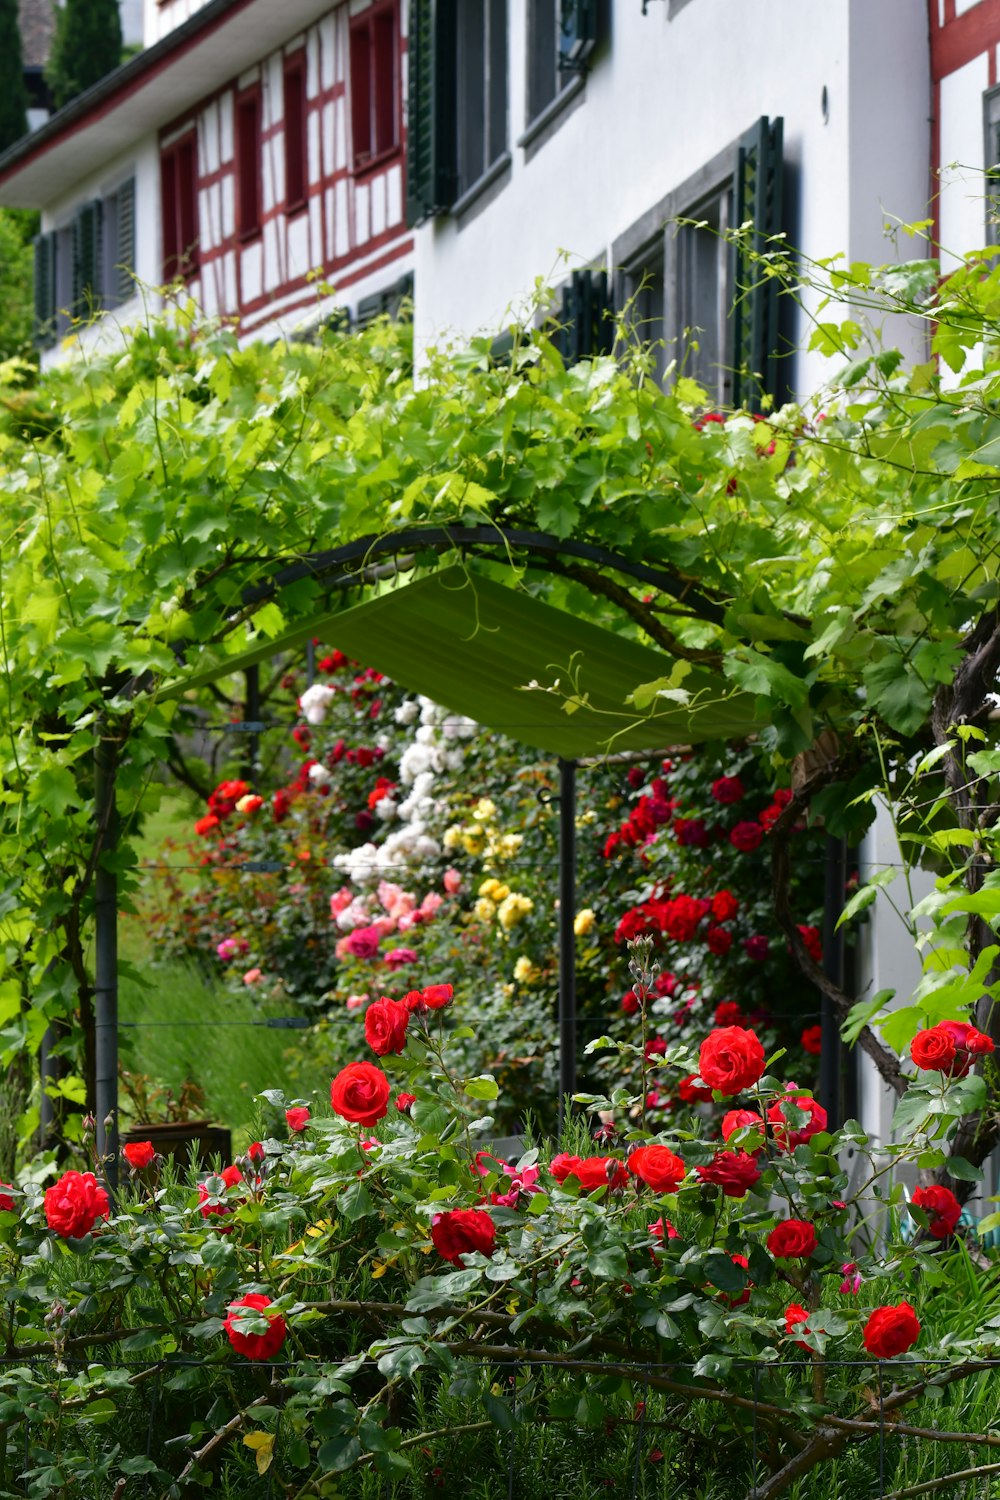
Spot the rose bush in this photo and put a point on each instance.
(383, 1266)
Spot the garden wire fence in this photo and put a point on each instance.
(526, 1428)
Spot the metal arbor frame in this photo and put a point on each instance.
(349, 566)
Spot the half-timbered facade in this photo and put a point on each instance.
(251, 158)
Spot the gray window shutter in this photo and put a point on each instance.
(587, 317)
(87, 279)
(577, 33)
(431, 157)
(759, 199)
(45, 290)
(122, 271)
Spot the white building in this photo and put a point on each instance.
(253, 153)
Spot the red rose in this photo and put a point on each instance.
(251, 804)
(790, 1136)
(74, 1204)
(657, 1167)
(949, 1047)
(230, 1177)
(139, 1155)
(746, 837)
(255, 1345)
(812, 1040)
(255, 1151)
(297, 1118)
(740, 1119)
(405, 1102)
(385, 1026)
(461, 1232)
(735, 1172)
(724, 906)
(728, 789)
(662, 1229)
(942, 1208)
(891, 1331)
(730, 1059)
(281, 804)
(206, 825)
(630, 1003)
(681, 916)
(225, 797)
(728, 1013)
(360, 1093)
(795, 1316)
(656, 1046)
(814, 943)
(792, 1239)
(437, 996)
(632, 925)
(590, 1171)
(693, 1092)
(7, 1204)
(757, 948)
(719, 942)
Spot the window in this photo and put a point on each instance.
(248, 164)
(296, 141)
(708, 300)
(991, 159)
(179, 196)
(85, 265)
(561, 36)
(586, 326)
(482, 88)
(375, 83)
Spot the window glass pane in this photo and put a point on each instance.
(295, 134)
(471, 92)
(543, 50)
(384, 81)
(248, 164)
(703, 296)
(644, 291)
(497, 80)
(361, 100)
(168, 192)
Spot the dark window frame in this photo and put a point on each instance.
(248, 138)
(179, 208)
(376, 111)
(295, 127)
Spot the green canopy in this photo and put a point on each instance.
(474, 645)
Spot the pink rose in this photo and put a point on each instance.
(452, 882)
(397, 957)
(253, 976)
(431, 904)
(355, 1002)
(363, 942)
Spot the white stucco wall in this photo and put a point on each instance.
(661, 100)
(961, 187)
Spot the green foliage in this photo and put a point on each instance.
(13, 95)
(87, 46)
(16, 284)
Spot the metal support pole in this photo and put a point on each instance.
(831, 1059)
(46, 1107)
(252, 716)
(310, 663)
(106, 963)
(567, 937)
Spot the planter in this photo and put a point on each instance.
(186, 1142)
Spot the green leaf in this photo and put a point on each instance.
(339, 1453)
(499, 1413)
(484, 1087)
(54, 788)
(861, 1014)
(763, 675)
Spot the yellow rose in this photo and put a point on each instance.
(452, 837)
(525, 971)
(584, 922)
(495, 889)
(485, 909)
(513, 909)
(472, 840)
(484, 810)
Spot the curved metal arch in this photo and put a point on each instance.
(446, 538)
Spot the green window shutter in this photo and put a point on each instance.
(577, 33)
(431, 155)
(122, 271)
(87, 244)
(759, 199)
(587, 317)
(45, 290)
